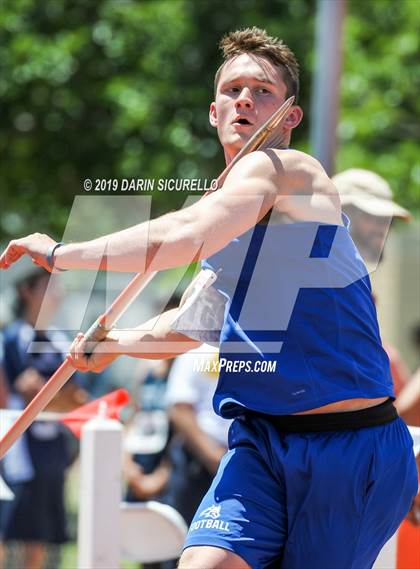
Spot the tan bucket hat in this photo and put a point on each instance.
(368, 192)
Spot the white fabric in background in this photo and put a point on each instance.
(17, 464)
(187, 385)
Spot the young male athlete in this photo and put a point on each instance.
(320, 469)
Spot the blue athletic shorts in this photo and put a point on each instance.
(326, 500)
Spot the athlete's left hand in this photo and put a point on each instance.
(36, 246)
(103, 355)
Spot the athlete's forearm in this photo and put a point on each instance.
(162, 243)
(183, 236)
(153, 340)
(172, 240)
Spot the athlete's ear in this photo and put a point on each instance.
(213, 114)
(293, 118)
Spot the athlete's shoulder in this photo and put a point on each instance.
(294, 159)
(259, 162)
(281, 164)
(256, 172)
(306, 191)
(304, 174)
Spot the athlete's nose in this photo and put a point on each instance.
(244, 99)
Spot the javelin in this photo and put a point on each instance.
(265, 136)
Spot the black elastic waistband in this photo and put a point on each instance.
(347, 420)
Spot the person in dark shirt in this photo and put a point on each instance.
(35, 471)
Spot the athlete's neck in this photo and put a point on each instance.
(280, 142)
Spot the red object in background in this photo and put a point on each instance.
(114, 401)
(408, 546)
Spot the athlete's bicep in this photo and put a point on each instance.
(248, 193)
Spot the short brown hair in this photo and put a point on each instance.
(258, 42)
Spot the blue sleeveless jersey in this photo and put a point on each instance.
(300, 328)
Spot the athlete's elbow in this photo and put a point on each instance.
(209, 238)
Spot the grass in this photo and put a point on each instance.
(69, 558)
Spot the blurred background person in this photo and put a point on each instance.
(146, 464)
(408, 401)
(147, 467)
(408, 405)
(367, 200)
(3, 386)
(200, 436)
(35, 470)
(3, 403)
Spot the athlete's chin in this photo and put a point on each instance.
(236, 141)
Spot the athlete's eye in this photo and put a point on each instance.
(263, 91)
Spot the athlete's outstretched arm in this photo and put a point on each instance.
(174, 239)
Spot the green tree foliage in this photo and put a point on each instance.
(380, 105)
(121, 88)
(113, 89)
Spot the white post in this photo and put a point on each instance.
(99, 543)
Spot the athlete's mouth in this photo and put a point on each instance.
(242, 121)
